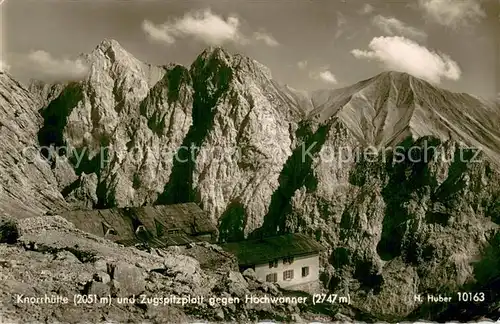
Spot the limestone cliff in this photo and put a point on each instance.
(217, 133)
(402, 182)
(384, 172)
(28, 183)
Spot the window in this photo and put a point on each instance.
(272, 277)
(288, 260)
(288, 275)
(305, 271)
(273, 264)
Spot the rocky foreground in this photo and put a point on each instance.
(48, 256)
(52, 272)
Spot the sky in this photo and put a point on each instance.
(307, 44)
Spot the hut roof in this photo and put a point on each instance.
(259, 251)
(188, 219)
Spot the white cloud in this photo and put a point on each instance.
(367, 9)
(302, 64)
(3, 66)
(157, 33)
(404, 55)
(46, 67)
(266, 38)
(324, 75)
(328, 76)
(202, 25)
(452, 13)
(393, 26)
(341, 20)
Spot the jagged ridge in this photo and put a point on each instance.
(391, 228)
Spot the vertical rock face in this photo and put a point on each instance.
(117, 123)
(217, 133)
(27, 183)
(416, 218)
(241, 137)
(399, 229)
(262, 158)
(44, 92)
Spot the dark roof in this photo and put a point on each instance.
(261, 251)
(157, 220)
(188, 217)
(178, 239)
(97, 221)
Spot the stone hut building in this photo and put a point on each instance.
(156, 226)
(290, 260)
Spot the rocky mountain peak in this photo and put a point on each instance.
(212, 58)
(394, 74)
(110, 58)
(395, 78)
(109, 43)
(112, 49)
(45, 92)
(391, 106)
(238, 63)
(213, 52)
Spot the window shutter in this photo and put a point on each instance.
(288, 275)
(272, 277)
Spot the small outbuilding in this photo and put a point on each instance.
(156, 226)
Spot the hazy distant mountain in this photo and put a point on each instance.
(392, 228)
(391, 106)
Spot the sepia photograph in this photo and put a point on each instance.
(249, 161)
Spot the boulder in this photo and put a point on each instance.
(236, 284)
(99, 289)
(250, 274)
(131, 279)
(9, 232)
(102, 277)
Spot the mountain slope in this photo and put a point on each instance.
(397, 225)
(28, 185)
(242, 126)
(387, 108)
